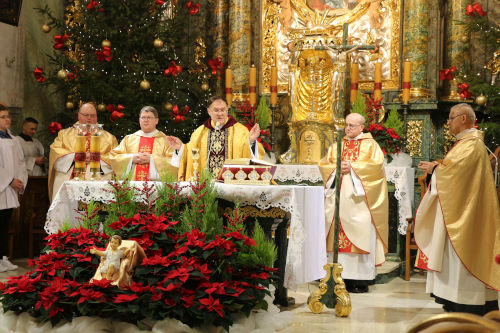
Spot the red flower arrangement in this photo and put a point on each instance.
(189, 274)
(388, 140)
(245, 114)
(55, 127)
(473, 9)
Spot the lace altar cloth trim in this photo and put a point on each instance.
(403, 179)
(287, 197)
(298, 173)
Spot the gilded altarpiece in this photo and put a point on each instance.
(296, 36)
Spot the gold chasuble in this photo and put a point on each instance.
(64, 145)
(156, 145)
(466, 211)
(215, 146)
(358, 211)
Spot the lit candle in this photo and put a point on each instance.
(406, 82)
(229, 86)
(354, 81)
(274, 86)
(377, 91)
(252, 89)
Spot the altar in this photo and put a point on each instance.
(305, 255)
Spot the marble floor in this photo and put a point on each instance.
(392, 307)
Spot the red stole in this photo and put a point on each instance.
(142, 170)
(350, 152)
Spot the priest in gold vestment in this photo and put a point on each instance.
(144, 153)
(457, 224)
(221, 137)
(363, 229)
(62, 150)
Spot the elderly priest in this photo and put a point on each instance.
(457, 225)
(363, 229)
(62, 150)
(145, 153)
(221, 137)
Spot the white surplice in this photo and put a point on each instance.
(11, 166)
(32, 150)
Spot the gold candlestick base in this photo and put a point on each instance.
(331, 292)
(79, 174)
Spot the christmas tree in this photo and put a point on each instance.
(123, 55)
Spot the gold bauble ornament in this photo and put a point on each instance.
(168, 106)
(481, 100)
(70, 105)
(158, 43)
(205, 86)
(144, 84)
(106, 43)
(46, 28)
(101, 107)
(62, 74)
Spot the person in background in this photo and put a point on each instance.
(13, 179)
(32, 148)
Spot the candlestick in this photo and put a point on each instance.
(406, 82)
(274, 86)
(229, 86)
(377, 91)
(252, 89)
(354, 81)
(81, 141)
(95, 153)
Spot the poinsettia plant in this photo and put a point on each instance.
(249, 115)
(387, 138)
(200, 269)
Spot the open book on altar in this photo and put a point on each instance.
(247, 171)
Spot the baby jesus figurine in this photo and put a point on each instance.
(112, 257)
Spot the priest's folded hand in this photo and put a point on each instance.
(345, 167)
(17, 184)
(141, 158)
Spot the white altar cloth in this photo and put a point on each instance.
(306, 253)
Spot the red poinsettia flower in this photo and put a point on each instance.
(102, 283)
(54, 127)
(93, 4)
(121, 298)
(173, 69)
(38, 73)
(216, 65)
(479, 9)
(188, 301)
(59, 41)
(104, 54)
(212, 304)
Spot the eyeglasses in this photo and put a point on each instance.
(352, 125)
(5, 117)
(219, 110)
(88, 115)
(450, 119)
(147, 118)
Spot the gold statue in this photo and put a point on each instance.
(117, 264)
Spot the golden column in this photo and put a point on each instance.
(239, 43)
(221, 9)
(416, 40)
(456, 42)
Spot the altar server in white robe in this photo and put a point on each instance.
(32, 148)
(363, 229)
(13, 179)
